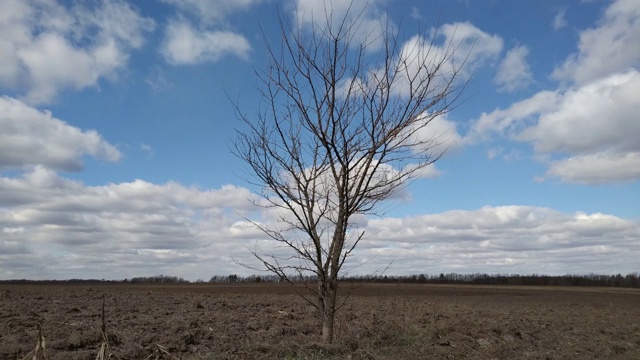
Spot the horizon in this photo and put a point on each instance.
(272, 278)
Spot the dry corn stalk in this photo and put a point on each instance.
(160, 353)
(39, 352)
(103, 353)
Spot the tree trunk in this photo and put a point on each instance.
(329, 311)
(327, 325)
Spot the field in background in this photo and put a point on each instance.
(267, 321)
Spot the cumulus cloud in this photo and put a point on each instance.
(130, 228)
(415, 13)
(611, 47)
(597, 168)
(457, 48)
(158, 80)
(511, 155)
(147, 149)
(559, 21)
(598, 116)
(587, 131)
(47, 47)
(464, 46)
(594, 127)
(504, 239)
(33, 137)
(440, 135)
(596, 123)
(53, 227)
(211, 12)
(507, 121)
(199, 32)
(453, 49)
(471, 44)
(514, 72)
(493, 152)
(369, 18)
(184, 45)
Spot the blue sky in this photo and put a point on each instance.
(115, 131)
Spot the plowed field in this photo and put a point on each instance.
(268, 321)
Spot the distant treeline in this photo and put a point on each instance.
(619, 280)
(628, 281)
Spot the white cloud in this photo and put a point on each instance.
(597, 168)
(33, 137)
(586, 133)
(611, 47)
(47, 48)
(206, 38)
(460, 43)
(54, 227)
(429, 172)
(471, 44)
(62, 228)
(185, 45)
(211, 12)
(415, 13)
(157, 80)
(15, 230)
(368, 16)
(598, 125)
(506, 121)
(559, 21)
(458, 48)
(493, 152)
(594, 126)
(504, 239)
(147, 149)
(441, 135)
(598, 116)
(512, 155)
(514, 72)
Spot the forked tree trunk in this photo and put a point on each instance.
(330, 286)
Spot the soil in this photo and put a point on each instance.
(268, 321)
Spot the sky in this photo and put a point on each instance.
(116, 123)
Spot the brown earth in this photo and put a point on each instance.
(267, 321)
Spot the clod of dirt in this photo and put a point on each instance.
(444, 343)
(78, 341)
(75, 355)
(484, 342)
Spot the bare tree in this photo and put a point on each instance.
(340, 129)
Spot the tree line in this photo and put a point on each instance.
(631, 280)
(627, 281)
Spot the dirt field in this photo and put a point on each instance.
(266, 321)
